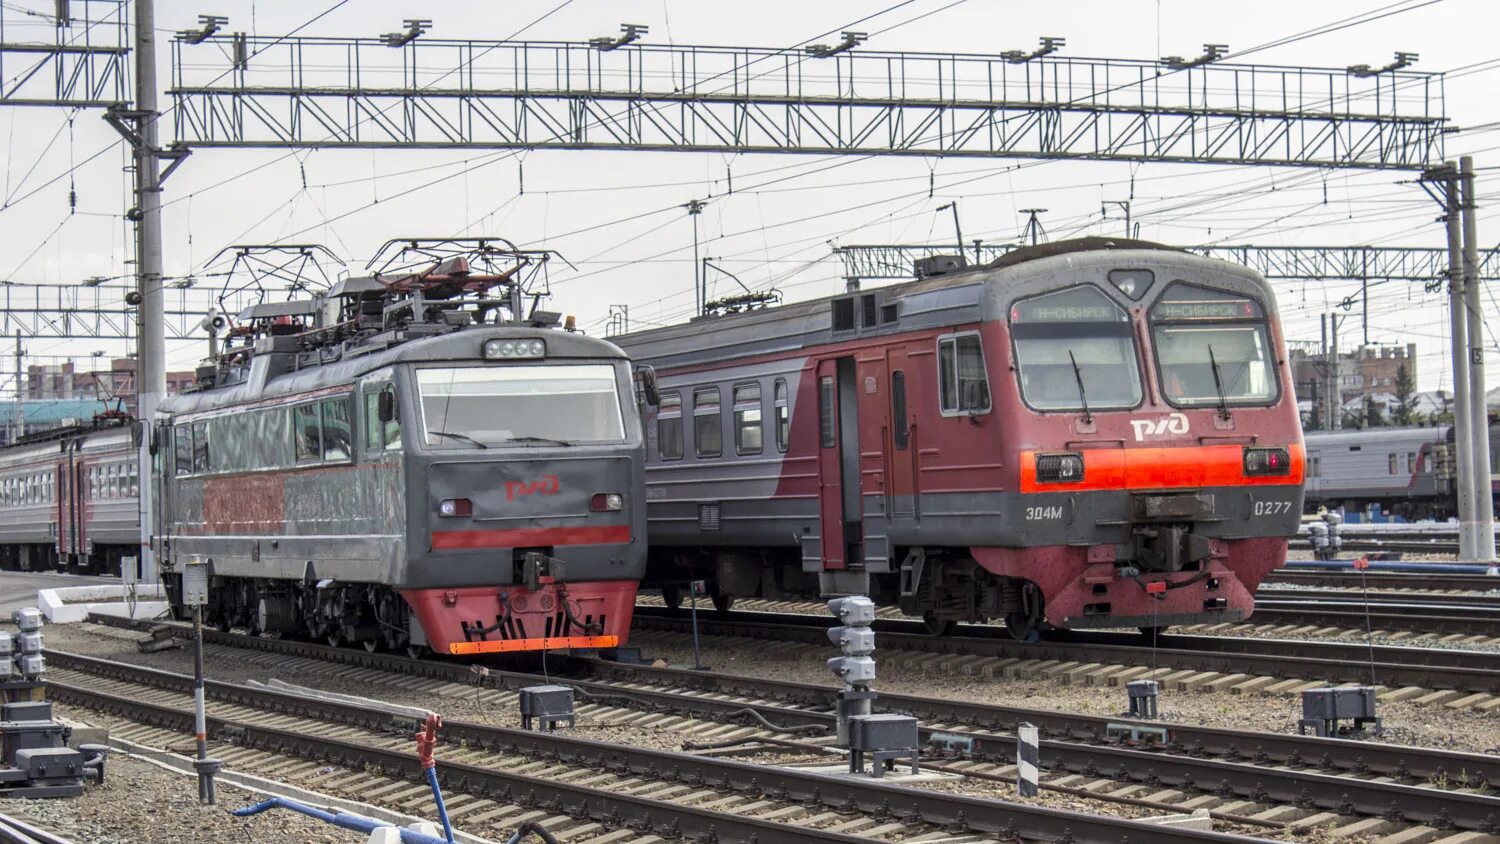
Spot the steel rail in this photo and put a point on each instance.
(1385, 580)
(16, 831)
(1353, 614)
(950, 811)
(1065, 732)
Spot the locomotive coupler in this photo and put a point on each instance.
(538, 570)
(1168, 547)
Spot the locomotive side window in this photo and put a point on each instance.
(747, 419)
(708, 423)
(200, 448)
(182, 440)
(374, 428)
(783, 414)
(669, 427)
(901, 430)
(307, 433)
(1074, 348)
(337, 443)
(963, 385)
(1212, 348)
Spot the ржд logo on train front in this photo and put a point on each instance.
(1093, 433)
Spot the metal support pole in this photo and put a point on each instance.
(20, 417)
(150, 364)
(700, 296)
(1479, 430)
(1459, 329)
(694, 588)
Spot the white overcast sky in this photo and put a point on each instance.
(632, 251)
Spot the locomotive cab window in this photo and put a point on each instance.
(542, 404)
(963, 382)
(1075, 349)
(669, 427)
(307, 433)
(182, 449)
(747, 419)
(1212, 348)
(337, 443)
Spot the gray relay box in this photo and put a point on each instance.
(547, 704)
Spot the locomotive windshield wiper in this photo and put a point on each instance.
(538, 440)
(1218, 383)
(460, 437)
(1082, 395)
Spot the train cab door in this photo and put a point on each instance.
(1312, 480)
(841, 525)
(900, 440)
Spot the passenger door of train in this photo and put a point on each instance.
(901, 438)
(63, 491)
(840, 518)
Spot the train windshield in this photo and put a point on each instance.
(1074, 349)
(468, 407)
(1212, 348)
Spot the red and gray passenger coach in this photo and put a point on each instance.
(1090, 433)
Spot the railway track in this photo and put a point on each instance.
(1252, 779)
(1384, 580)
(1472, 618)
(602, 785)
(1187, 661)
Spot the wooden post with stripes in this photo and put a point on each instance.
(1026, 759)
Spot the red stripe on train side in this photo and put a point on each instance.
(1161, 468)
(447, 540)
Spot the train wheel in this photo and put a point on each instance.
(938, 626)
(1024, 627)
(371, 645)
(672, 597)
(723, 603)
(418, 651)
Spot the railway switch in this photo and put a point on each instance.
(546, 705)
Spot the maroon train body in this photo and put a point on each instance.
(1084, 434)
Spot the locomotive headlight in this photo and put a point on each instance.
(607, 502)
(1059, 468)
(456, 507)
(1267, 462)
(498, 349)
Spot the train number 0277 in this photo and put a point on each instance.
(1272, 508)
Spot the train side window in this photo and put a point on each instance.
(337, 443)
(114, 482)
(133, 475)
(901, 426)
(708, 423)
(1392, 462)
(964, 387)
(783, 414)
(747, 419)
(182, 439)
(828, 434)
(200, 448)
(307, 433)
(393, 425)
(669, 427)
(373, 426)
(1411, 462)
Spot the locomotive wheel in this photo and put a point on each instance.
(672, 597)
(723, 603)
(938, 626)
(371, 645)
(418, 651)
(1024, 628)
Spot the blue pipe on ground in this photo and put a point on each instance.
(437, 796)
(345, 820)
(1393, 565)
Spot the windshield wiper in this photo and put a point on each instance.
(1082, 394)
(457, 436)
(538, 440)
(1218, 383)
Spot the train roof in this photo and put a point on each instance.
(953, 298)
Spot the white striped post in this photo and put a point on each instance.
(1026, 759)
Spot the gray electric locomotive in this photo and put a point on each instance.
(410, 462)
